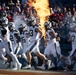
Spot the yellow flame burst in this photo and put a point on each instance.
(43, 10)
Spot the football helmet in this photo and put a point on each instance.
(3, 21)
(11, 26)
(23, 27)
(31, 21)
(48, 25)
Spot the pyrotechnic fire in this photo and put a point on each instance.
(43, 10)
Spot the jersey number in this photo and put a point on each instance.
(31, 32)
(23, 40)
(11, 38)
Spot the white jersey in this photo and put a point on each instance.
(73, 37)
(25, 41)
(4, 25)
(49, 38)
(24, 38)
(5, 44)
(52, 45)
(12, 38)
(34, 39)
(33, 34)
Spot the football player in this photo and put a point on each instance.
(8, 47)
(2, 51)
(24, 36)
(5, 36)
(72, 39)
(18, 45)
(52, 49)
(35, 37)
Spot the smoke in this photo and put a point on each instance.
(18, 20)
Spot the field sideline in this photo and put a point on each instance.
(36, 72)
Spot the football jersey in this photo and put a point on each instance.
(12, 37)
(5, 42)
(33, 34)
(73, 37)
(49, 38)
(25, 40)
(23, 37)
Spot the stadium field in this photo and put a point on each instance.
(36, 72)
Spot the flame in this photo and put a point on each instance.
(43, 10)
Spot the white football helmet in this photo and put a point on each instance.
(11, 26)
(48, 25)
(3, 21)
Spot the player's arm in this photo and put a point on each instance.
(38, 30)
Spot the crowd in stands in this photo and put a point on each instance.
(63, 17)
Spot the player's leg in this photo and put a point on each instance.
(3, 57)
(8, 48)
(18, 48)
(25, 46)
(2, 52)
(73, 50)
(44, 58)
(29, 57)
(71, 54)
